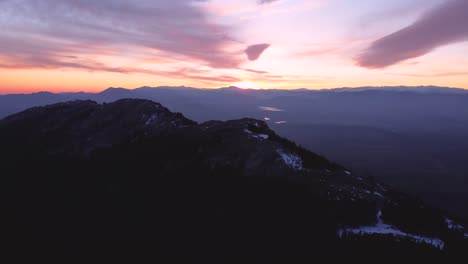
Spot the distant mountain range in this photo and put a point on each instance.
(406, 89)
(131, 177)
(413, 138)
(10, 103)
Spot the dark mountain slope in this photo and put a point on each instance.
(132, 178)
(79, 127)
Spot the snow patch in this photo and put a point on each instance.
(384, 229)
(347, 172)
(452, 225)
(258, 136)
(291, 160)
(281, 122)
(151, 120)
(378, 194)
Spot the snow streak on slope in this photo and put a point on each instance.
(384, 229)
(291, 160)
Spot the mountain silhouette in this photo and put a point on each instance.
(131, 178)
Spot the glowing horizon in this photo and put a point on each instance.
(72, 46)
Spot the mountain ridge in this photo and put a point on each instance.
(167, 152)
(429, 128)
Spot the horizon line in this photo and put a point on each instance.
(236, 87)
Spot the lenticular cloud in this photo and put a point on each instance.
(443, 25)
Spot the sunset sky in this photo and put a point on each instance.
(88, 45)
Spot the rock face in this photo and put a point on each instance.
(133, 177)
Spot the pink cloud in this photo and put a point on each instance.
(50, 63)
(178, 36)
(443, 25)
(175, 28)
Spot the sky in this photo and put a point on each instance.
(88, 45)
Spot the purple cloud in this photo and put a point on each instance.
(255, 51)
(179, 29)
(255, 71)
(443, 25)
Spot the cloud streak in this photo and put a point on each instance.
(270, 109)
(264, 2)
(44, 62)
(443, 25)
(56, 33)
(434, 74)
(255, 71)
(177, 27)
